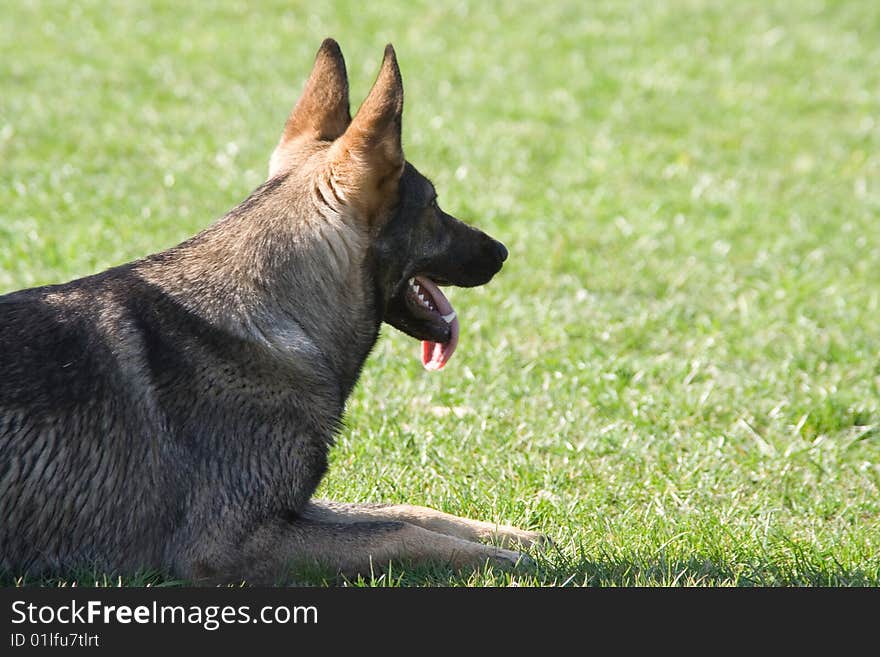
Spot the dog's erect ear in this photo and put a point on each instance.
(322, 112)
(367, 161)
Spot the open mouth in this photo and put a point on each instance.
(430, 307)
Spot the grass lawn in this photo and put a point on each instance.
(677, 374)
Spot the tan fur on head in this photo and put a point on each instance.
(365, 158)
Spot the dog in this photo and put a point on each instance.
(175, 413)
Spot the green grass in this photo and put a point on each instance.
(677, 374)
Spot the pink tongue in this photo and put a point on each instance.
(436, 354)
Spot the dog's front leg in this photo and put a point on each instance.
(427, 518)
(351, 547)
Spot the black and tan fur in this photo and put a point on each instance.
(175, 413)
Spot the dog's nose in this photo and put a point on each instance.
(500, 250)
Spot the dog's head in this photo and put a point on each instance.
(358, 171)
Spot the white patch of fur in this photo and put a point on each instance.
(276, 162)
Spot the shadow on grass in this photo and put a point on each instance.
(700, 571)
(554, 569)
(90, 578)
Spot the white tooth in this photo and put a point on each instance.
(421, 297)
(448, 318)
(411, 281)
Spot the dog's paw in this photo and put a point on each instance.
(513, 537)
(536, 540)
(511, 559)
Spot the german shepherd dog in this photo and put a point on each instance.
(175, 413)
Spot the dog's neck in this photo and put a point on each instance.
(271, 273)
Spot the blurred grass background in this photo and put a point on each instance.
(676, 375)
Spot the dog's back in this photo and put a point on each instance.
(126, 421)
(72, 427)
